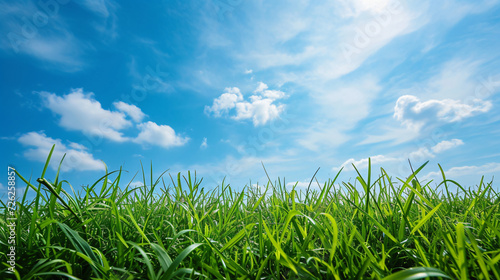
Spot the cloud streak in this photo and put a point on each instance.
(40, 31)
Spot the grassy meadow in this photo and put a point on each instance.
(174, 228)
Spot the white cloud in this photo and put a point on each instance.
(77, 158)
(204, 144)
(81, 112)
(425, 153)
(76, 146)
(259, 110)
(248, 71)
(363, 163)
(422, 154)
(133, 111)
(314, 46)
(225, 102)
(260, 107)
(390, 133)
(457, 79)
(263, 90)
(461, 171)
(412, 112)
(460, 81)
(158, 135)
(1, 186)
(261, 87)
(446, 145)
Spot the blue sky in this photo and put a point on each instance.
(221, 86)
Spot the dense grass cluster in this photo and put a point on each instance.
(172, 228)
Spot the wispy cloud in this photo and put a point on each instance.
(332, 117)
(317, 37)
(152, 78)
(106, 10)
(42, 33)
(320, 49)
(98, 6)
(204, 143)
(418, 155)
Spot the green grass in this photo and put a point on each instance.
(173, 228)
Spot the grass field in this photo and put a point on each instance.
(173, 228)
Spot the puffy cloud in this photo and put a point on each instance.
(261, 87)
(363, 163)
(415, 113)
(259, 110)
(225, 102)
(77, 158)
(260, 107)
(133, 111)
(159, 135)
(81, 112)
